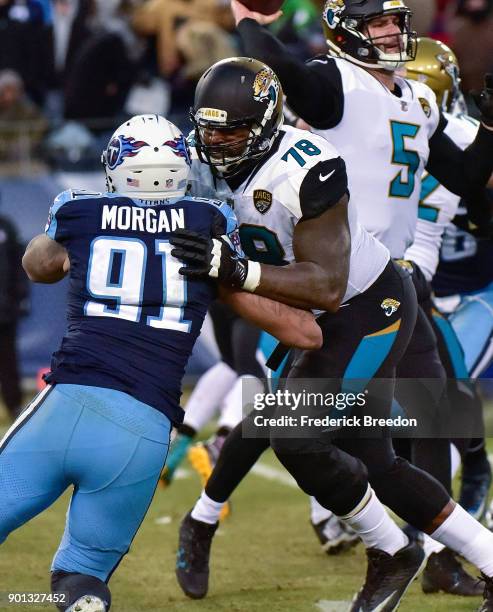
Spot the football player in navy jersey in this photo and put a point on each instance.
(103, 422)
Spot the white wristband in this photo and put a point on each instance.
(252, 281)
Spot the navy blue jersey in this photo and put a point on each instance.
(466, 262)
(132, 318)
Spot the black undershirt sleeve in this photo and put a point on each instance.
(323, 186)
(465, 173)
(314, 91)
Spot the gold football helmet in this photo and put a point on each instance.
(436, 65)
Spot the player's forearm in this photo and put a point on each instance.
(462, 172)
(45, 261)
(291, 326)
(304, 285)
(295, 76)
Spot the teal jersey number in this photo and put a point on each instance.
(261, 244)
(425, 211)
(400, 188)
(306, 147)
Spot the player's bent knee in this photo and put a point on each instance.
(337, 480)
(77, 586)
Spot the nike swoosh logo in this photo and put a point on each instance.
(327, 176)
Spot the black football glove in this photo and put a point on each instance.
(484, 100)
(209, 257)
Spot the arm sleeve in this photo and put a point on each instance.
(226, 226)
(56, 226)
(323, 106)
(462, 172)
(323, 186)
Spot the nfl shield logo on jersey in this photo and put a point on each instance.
(262, 200)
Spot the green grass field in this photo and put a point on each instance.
(265, 556)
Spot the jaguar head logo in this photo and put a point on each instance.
(390, 306)
(332, 12)
(265, 86)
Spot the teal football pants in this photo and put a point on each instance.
(109, 446)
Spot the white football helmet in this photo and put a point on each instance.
(147, 158)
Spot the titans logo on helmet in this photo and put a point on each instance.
(180, 148)
(121, 147)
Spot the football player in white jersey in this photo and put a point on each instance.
(388, 130)
(289, 191)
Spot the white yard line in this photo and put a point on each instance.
(271, 473)
(327, 605)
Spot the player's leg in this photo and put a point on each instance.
(472, 321)
(9, 373)
(237, 457)
(467, 410)
(211, 389)
(358, 340)
(32, 452)
(244, 341)
(208, 393)
(334, 535)
(115, 457)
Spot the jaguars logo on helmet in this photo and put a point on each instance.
(265, 85)
(332, 10)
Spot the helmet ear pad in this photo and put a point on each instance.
(235, 93)
(147, 158)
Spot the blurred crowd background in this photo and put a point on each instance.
(72, 70)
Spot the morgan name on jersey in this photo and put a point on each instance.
(302, 176)
(132, 317)
(384, 140)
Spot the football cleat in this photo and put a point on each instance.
(88, 603)
(487, 605)
(192, 558)
(177, 453)
(443, 572)
(334, 536)
(388, 578)
(474, 489)
(203, 457)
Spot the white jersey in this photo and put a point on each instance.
(384, 140)
(269, 203)
(438, 206)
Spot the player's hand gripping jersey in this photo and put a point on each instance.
(384, 140)
(302, 176)
(132, 318)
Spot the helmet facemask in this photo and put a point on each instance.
(230, 157)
